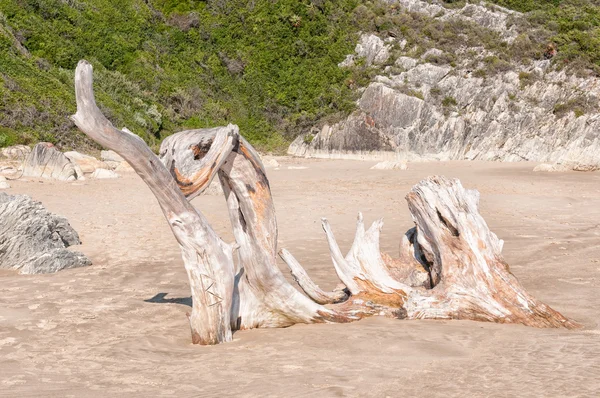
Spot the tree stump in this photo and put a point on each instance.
(450, 266)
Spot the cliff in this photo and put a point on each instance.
(474, 107)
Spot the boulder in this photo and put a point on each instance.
(124, 167)
(86, 163)
(390, 165)
(46, 161)
(16, 152)
(566, 166)
(3, 183)
(111, 158)
(33, 240)
(104, 173)
(270, 163)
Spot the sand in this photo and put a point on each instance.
(119, 326)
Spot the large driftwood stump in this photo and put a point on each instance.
(450, 265)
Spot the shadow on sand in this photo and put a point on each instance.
(160, 299)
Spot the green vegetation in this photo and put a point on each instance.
(578, 106)
(164, 65)
(269, 66)
(449, 101)
(572, 25)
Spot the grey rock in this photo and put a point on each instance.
(494, 18)
(46, 161)
(111, 156)
(104, 174)
(492, 118)
(406, 62)
(370, 47)
(16, 152)
(33, 240)
(86, 163)
(390, 165)
(3, 183)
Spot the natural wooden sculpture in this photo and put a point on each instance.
(450, 266)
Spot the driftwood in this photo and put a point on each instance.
(450, 265)
(33, 240)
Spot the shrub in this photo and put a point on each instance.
(449, 101)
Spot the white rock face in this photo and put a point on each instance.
(569, 166)
(124, 167)
(370, 47)
(111, 156)
(3, 183)
(495, 18)
(104, 173)
(390, 165)
(16, 152)
(86, 163)
(46, 161)
(451, 114)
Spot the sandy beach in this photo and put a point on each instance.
(119, 326)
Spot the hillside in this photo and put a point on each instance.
(269, 66)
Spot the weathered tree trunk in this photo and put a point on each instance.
(450, 265)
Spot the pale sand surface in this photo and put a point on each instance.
(93, 332)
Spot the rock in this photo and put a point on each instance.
(86, 163)
(16, 152)
(370, 47)
(46, 161)
(270, 163)
(434, 112)
(124, 167)
(3, 183)
(406, 62)
(546, 167)
(111, 156)
(567, 166)
(432, 52)
(390, 165)
(33, 240)
(104, 173)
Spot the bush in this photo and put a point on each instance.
(449, 101)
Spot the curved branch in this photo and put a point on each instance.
(207, 259)
(313, 291)
(194, 159)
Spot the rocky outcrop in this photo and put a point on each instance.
(33, 240)
(489, 16)
(87, 164)
(16, 152)
(3, 183)
(104, 174)
(371, 48)
(389, 165)
(46, 161)
(418, 110)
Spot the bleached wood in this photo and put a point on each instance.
(450, 266)
(207, 259)
(311, 289)
(263, 297)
